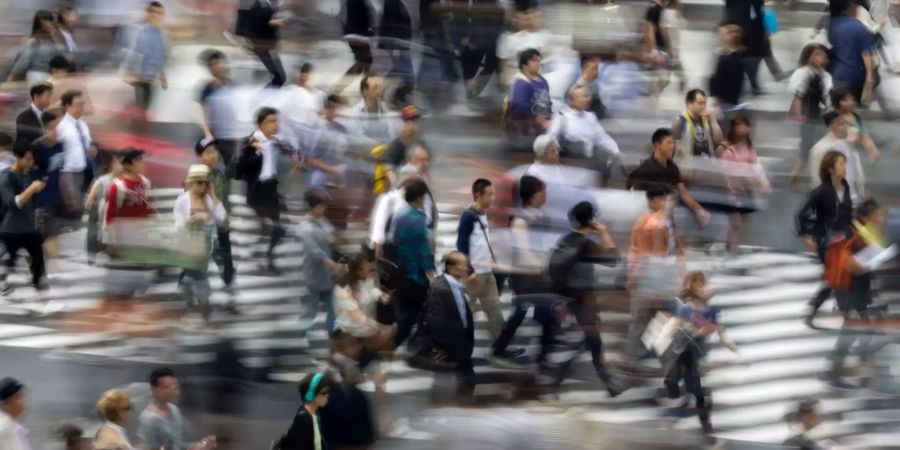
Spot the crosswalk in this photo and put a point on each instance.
(762, 295)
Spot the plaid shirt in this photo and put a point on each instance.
(412, 246)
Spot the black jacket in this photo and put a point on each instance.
(253, 23)
(28, 127)
(825, 213)
(359, 18)
(446, 328)
(301, 435)
(756, 40)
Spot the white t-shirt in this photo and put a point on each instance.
(799, 82)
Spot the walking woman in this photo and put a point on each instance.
(825, 217)
(844, 103)
(811, 86)
(692, 314)
(33, 61)
(744, 176)
(197, 208)
(305, 433)
(115, 408)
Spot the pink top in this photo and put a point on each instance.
(742, 169)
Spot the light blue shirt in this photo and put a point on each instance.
(460, 297)
(147, 57)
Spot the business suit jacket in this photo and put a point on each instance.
(28, 127)
(446, 328)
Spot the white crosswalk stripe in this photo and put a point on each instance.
(762, 307)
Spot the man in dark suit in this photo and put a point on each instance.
(28, 124)
(450, 322)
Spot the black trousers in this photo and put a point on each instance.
(33, 244)
(143, 94)
(585, 312)
(544, 314)
(409, 301)
(688, 368)
(222, 256)
(272, 62)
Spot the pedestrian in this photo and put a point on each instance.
(398, 150)
(838, 139)
(258, 166)
(696, 130)
(692, 315)
(528, 280)
(110, 165)
(383, 215)
(115, 408)
(327, 155)
(63, 78)
(580, 134)
(306, 430)
(655, 265)
(574, 278)
(590, 69)
(727, 80)
(32, 61)
(483, 24)
(197, 209)
(418, 165)
(29, 125)
(414, 259)
(160, 425)
(745, 177)
(128, 196)
(660, 168)
(806, 417)
(373, 119)
(852, 50)
(449, 321)
(262, 28)
(66, 18)
(825, 217)
(811, 86)
(79, 152)
(528, 34)
(48, 160)
(321, 262)
(529, 107)
(146, 61)
(748, 14)
(13, 404)
(208, 154)
(6, 151)
(395, 35)
(358, 32)
(18, 230)
(219, 118)
(658, 40)
(866, 234)
(858, 134)
(302, 102)
(347, 421)
(474, 241)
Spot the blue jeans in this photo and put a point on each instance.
(318, 298)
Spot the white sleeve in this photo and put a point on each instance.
(604, 140)
(216, 209)
(178, 211)
(379, 219)
(556, 126)
(799, 82)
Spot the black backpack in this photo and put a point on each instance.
(815, 96)
(563, 259)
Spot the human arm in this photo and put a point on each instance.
(23, 198)
(347, 307)
(685, 195)
(464, 232)
(606, 142)
(726, 341)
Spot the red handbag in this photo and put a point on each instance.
(837, 263)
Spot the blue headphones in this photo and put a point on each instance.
(311, 391)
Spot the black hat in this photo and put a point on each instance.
(202, 144)
(9, 387)
(130, 154)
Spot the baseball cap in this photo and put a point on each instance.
(202, 144)
(410, 112)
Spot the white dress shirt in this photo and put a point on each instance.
(38, 113)
(576, 126)
(13, 435)
(459, 297)
(269, 157)
(76, 140)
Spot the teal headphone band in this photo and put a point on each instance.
(313, 385)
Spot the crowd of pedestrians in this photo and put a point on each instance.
(398, 297)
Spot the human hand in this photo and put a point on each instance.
(810, 244)
(702, 216)
(37, 185)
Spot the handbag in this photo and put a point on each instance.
(666, 342)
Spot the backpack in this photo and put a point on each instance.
(815, 96)
(564, 258)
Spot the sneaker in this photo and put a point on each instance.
(504, 362)
(512, 354)
(615, 388)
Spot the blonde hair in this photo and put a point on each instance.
(689, 280)
(111, 404)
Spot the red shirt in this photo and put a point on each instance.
(135, 202)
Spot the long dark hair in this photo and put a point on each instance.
(808, 51)
(735, 122)
(37, 30)
(352, 278)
